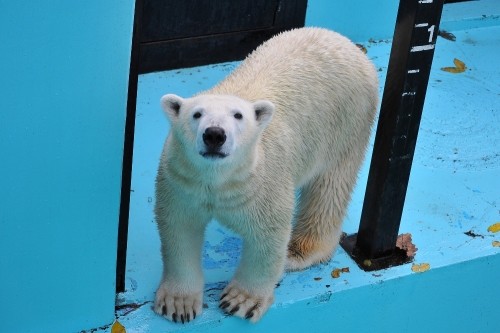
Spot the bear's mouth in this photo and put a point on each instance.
(213, 154)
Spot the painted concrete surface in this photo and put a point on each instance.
(64, 75)
(453, 197)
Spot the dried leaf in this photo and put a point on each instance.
(404, 242)
(494, 227)
(118, 328)
(459, 67)
(459, 64)
(345, 270)
(336, 273)
(420, 268)
(447, 35)
(362, 48)
(495, 243)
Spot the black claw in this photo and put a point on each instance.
(188, 319)
(194, 314)
(182, 318)
(250, 312)
(164, 310)
(224, 305)
(234, 310)
(174, 317)
(223, 296)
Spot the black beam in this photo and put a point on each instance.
(128, 151)
(410, 61)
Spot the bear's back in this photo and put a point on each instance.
(324, 89)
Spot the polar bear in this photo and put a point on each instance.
(294, 117)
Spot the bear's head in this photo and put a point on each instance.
(216, 128)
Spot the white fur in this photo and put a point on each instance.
(307, 100)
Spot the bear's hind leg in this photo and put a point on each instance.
(321, 209)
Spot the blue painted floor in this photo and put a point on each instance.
(453, 196)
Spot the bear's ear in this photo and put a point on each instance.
(264, 111)
(171, 104)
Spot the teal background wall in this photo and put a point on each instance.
(358, 20)
(64, 74)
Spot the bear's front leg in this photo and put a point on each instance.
(251, 292)
(179, 297)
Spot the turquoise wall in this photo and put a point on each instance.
(64, 73)
(358, 20)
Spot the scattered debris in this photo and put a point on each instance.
(376, 275)
(404, 242)
(336, 272)
(494, 227)
(125, 309)
(472, 234)
(118, 328)
(420, 268)
(317, 279)
(447, 35)
(495, 243)
(459, 67)
(93, 330)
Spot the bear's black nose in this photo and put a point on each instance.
(214, 137)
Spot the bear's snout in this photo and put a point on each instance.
(214, 137)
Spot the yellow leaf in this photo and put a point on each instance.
(459, 64)
(459, 67)
(420, 268)
(453, 70)
(495, 243)
(362, 48)
(118, 328)
(336, 273)
(494, 227)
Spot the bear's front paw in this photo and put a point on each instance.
(239, 302)
(178, 307)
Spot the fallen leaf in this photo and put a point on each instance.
(420, 268)
(494, 227)
(336, 273)
(118, 328)
(362, 48)
(495, 243)
(459, 64)
(459, 67)
(447, 35)
(345, 270)
(404, 242)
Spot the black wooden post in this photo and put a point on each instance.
(410, 62)
(128, 151)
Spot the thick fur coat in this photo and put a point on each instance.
(294, 117)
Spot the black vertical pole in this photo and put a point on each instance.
(410, 62)
(128, 150)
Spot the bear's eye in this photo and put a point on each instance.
(197, 115)
(238, 115)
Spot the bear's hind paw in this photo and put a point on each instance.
(296, 260)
